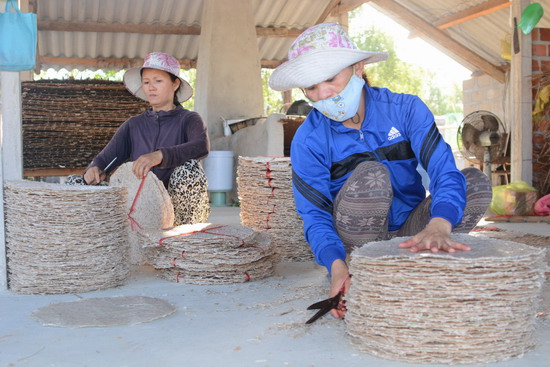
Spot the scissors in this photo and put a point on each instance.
(102, 171)
(324, 306)
(331, 303)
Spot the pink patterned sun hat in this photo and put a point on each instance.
(160, 61)
(318, 54)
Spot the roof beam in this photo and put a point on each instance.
(465, 15)
(328, 9)
(461, 52)
(45, 25)
(125, 63)
(347, 6)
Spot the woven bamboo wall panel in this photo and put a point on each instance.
(67, 122)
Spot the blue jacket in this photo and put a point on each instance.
(399, 131)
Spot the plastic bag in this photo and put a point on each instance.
(515, 198)
(530, 17)
(18, 35)
(542, 206)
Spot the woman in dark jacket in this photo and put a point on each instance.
(166, 139)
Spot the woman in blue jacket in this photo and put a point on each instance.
(354, 159)
(166, 139)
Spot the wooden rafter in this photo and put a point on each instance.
(461, 52)
(329, 8)
(114, 63)
(346, 6)
(44, 25)
(477, 11)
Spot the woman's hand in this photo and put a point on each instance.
(435, 237)
(340, 276)
(144, 163)
(92, 176)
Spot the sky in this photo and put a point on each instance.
(415, 51)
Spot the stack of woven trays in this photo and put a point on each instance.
(267, 205)
(207, 253)
(64, 239)
(67, 122)
(475, 306)
(148, 205)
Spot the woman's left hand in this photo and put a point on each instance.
(435, 237)
(144, 163)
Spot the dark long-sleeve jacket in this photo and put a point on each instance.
(179, 134)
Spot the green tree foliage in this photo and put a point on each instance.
(402, 77)
(394, 74)
(273, 100)
(113, 75)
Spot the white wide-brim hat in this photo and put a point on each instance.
(318, 54)
(159, 61)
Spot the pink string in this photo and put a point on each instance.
(133, 222)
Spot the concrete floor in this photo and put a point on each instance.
(260, 323)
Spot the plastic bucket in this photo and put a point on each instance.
(218, 167)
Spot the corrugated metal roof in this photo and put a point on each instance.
(481, 35)
(267, 13)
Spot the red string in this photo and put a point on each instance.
(247, 276)
(178, 276)
(267, 221)
(133, 222)
(269, 179)
(482, 229)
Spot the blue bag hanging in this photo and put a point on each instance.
(18, 34)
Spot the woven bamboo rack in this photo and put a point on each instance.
(67, 122)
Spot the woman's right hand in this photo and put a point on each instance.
(92, 176)
(340, 276)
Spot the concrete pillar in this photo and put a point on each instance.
(521, 152)
(229, 83)
(11, 149)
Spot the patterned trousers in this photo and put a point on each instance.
(362, 205)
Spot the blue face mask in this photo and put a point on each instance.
(344, 105)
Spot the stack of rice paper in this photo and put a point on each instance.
(267, 205)
(209, 254)
(475, 306)
(64, 239)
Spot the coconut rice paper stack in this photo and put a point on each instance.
(65, 239)
(210, 254)
(267, 205)
(475, 306)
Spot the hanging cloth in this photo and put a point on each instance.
(18, 36)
